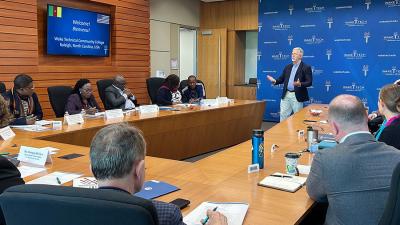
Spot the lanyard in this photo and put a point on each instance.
(379, 132)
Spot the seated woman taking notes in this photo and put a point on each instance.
(82, 98)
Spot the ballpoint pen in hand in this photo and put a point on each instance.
(205, 220)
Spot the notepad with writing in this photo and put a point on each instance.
(283, 182)
(235, 212)
(154, 188)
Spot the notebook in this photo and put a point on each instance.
(283, 182)
(153, 189)
(235, 212)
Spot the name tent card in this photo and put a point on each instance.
(6, 133)
(74, 119)
(148, 109)
(57, 125)
(114, 114)
(37, 156)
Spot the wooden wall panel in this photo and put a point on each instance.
(23, 41)
(230, 14)
(246, 14)
(217, 15)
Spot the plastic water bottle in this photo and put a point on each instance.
(65, 117)
(258, 148)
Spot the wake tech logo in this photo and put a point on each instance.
(329, 54)
(356, 23)
(314, 40)
(329, 21)
(328, 85)
(315, 9)
(368, 3)
(391, 4)
(354, 88)
(281, 26)
(365, 69)
(280, 56)
(355, 55)
(394, 37)
(391, 72)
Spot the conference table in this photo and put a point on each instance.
(222, 177)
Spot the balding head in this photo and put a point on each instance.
(348, 114)
(120, 81)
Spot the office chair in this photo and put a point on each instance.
(153, 84)
(49, 205)
(58, 96)
(391, 214)
(184, 83)
(101, 87)
(253, 81)
(3, 88)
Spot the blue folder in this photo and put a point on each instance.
(153, 189)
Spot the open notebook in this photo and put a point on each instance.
(234, 212)
(283, 182)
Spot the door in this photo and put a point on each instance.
(212, 53)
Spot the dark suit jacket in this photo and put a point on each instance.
(15, 107)
(354, 177)
(75, 106)
(304, 73)
(391, 134)
(9, 176)
(114, 100)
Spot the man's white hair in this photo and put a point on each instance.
(300, 50)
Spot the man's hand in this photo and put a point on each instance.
(216, 218)
(91, 111)
(128, 92)
(271, 79)
(30, 120)
(297, 83)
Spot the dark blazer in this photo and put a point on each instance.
(304, 73)
(354, 177)
(75, 106)
(391, 134)
(9, 175)
(167, 213)
(15, 107)
(114, 100)
(197, 93)
(164, 96)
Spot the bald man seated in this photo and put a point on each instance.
(117, 96)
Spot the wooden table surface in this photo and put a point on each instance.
(168, 132)
(221, 177)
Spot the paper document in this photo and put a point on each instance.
(33, 128)
(27, 171)
(85, 182)
(234, 212)
(304, 169)
(55, 178)
(283, 182)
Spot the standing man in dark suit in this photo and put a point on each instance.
(354, 176)
(117, 96)
(296, 77)
(117, 156)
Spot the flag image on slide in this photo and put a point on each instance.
(55, 11)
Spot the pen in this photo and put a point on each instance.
(4, 153)
(205, 220)
(58, 180)
(281, 176)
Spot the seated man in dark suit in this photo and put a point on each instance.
(354, 176)
(193, 92)
(117, 96)
(117, 154)
(23, 101)
(9, 176)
